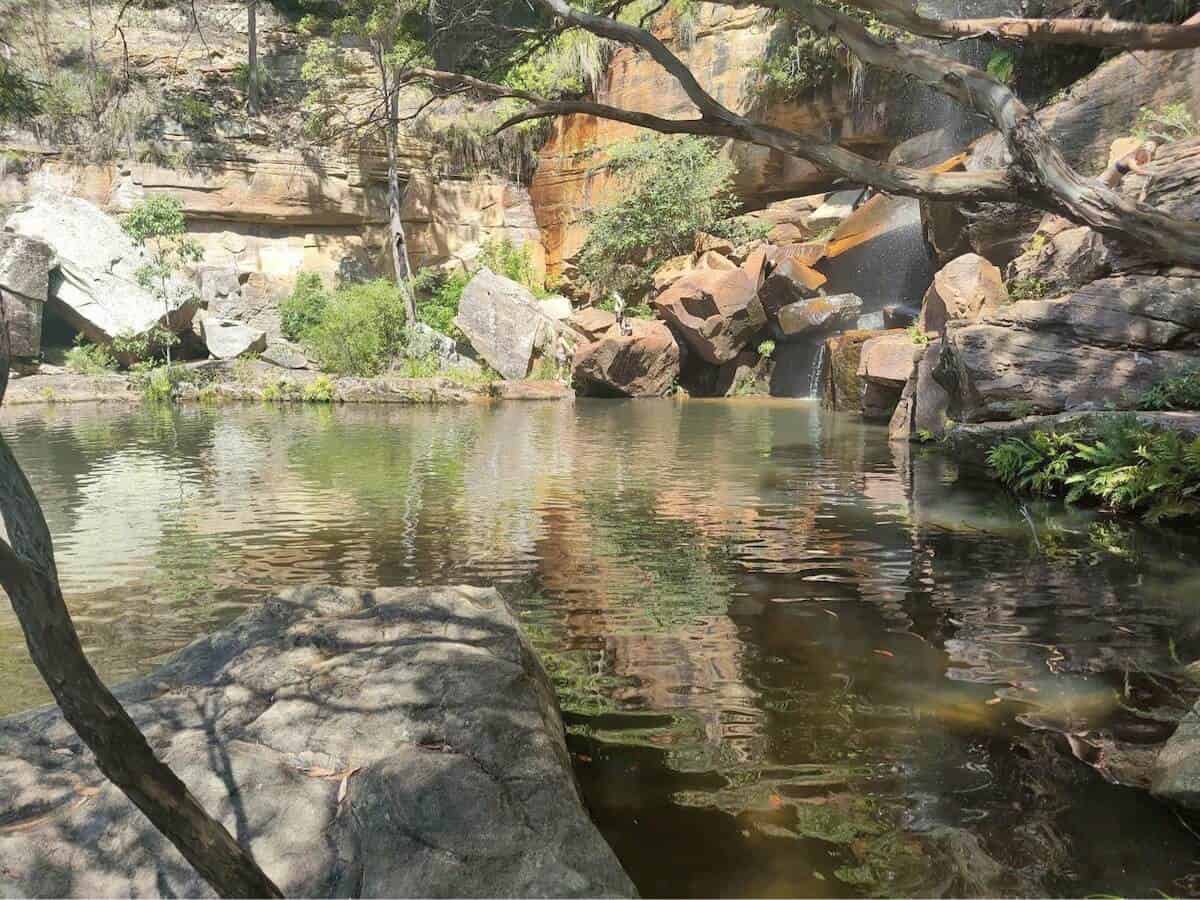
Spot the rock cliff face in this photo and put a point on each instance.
(721, 47)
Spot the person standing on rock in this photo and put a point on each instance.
(619, 312)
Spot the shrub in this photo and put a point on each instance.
(438, 295)
(1171, 123)
(90, 359)
(512, 260)
(361, 329)
(143, 347)
(319, 390)
(918, 335)
(304, 307)
(673, 187)
(1180, 391)
(1030, 288)
(1125, 466)
(766, 349)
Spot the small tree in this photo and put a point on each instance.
(157, 225)
(672, 187)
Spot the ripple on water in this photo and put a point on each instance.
(793, 660)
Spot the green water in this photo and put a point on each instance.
(795, 660)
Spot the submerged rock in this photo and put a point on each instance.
(386, 743)
(717, 312)
(25, 266)
(644, 363)
(504, 323)
(97, 291)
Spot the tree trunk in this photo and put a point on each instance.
(396, 201)
(30, 577)
(252, 86)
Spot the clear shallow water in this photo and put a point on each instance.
(795, 661)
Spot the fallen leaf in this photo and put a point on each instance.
(888, 653)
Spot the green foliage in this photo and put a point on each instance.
(90, 359)
(799, 60)
(319, 390)
(158, 384)
(438, 295)
(1181, 391)
(925, 436)
(673, 187)
(766, 349)
(138, 348)
(268, 87)
(1029, 288)
(1125, 466)
(918, 335)
(418, 367)
(361, 330)
(1171, 123)
(741, 230)
(1001, 65)
(193, 111)
(19, 101)
(303, 309)
(512, 260)
(157, 224)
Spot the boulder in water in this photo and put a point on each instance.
(644, 363)
(922, 407)
(25, 266)
(396, 742)
(97, 291)
(819, 313)
(717, 312)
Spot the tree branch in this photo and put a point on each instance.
(30, 578)
(1075, 32)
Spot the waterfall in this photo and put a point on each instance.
(814, 377)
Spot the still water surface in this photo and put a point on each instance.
(795, 660)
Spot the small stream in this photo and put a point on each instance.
(795, 660)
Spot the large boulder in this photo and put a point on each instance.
(841, 386)
(885, 365)
(717, 312)
(1061, 257)
(592, 321)
(504, 323)
(423, 342)
(227, 339)
(965, 288)
(921, 412)
(818, 314)
(1104, 344)
(24, 282)
(96, 289)
(1176, 777)
(644, 363)
(790, 281)
(397, 742)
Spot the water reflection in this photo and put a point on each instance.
(796, 660)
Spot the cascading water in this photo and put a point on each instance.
(895, 265)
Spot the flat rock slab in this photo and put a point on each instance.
(386, 743)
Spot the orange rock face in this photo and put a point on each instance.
(725, 45)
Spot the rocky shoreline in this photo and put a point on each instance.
(261, 383)
(377, 743)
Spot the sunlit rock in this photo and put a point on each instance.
(819, 313)
(966, 288)
(717, 312)
(429, 761)
(504, 323)
(644, 363)
(24, 281)
(227, 339)
(97, 290)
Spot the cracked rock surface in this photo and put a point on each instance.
(395, 742)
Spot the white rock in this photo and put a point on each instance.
(227, 339)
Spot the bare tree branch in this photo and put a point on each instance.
(29, 576)
(1075, 32)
